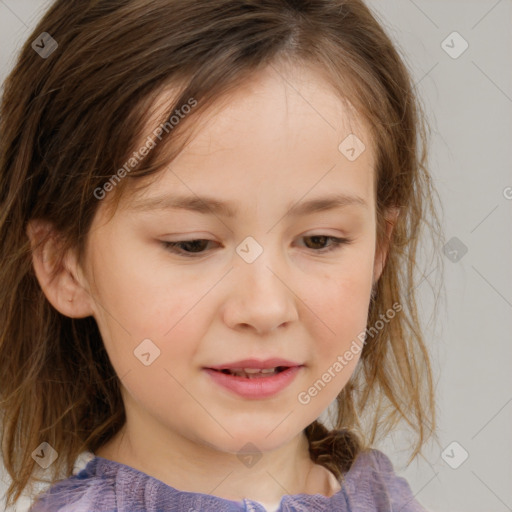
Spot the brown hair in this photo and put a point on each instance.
(69, 120)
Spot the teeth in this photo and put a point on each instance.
(252, 372)
(256, 370)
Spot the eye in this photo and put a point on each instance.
(183, 247)
(194, 248)
(322, 239)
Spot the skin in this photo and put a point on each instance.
(274, 144)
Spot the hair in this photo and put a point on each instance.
(68, 120)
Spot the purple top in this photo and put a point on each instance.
(371, 485)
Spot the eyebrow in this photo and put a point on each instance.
(210, 205)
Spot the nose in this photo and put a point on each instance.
(260, 295)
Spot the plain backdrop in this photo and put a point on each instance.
(468, 98)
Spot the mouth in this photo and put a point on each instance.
(254, 383)
(252, 373)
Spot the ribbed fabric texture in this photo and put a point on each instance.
(371, 485)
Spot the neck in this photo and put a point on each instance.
(187, 466)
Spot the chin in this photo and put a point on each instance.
(266, 438)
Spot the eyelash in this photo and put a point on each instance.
(174, 247)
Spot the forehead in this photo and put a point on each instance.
(280, 106)
(285, 127)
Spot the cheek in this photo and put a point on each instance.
(137, 301)
(343, 292)
(339, 301)
(136, 293)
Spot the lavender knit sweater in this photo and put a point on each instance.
(104, 486)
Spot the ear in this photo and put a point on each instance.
(61, 281)
(381, 253)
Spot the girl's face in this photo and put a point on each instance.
(268, 283)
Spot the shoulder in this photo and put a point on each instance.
(108, 486)
(372, 480)
(86, 490)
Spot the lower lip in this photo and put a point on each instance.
(257, 388)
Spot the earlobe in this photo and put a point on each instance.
(57, 274)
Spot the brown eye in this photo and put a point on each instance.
(187, 247)
(321, 240)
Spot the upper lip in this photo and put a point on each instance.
(255, 364)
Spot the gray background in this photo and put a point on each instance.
(469, 103)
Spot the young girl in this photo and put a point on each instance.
(209, 222)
